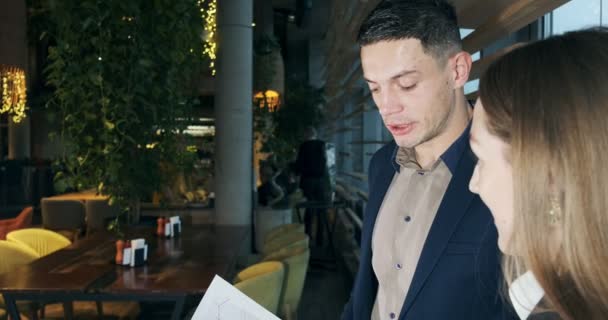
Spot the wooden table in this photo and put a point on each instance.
(85, 271)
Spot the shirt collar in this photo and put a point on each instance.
(525, 293)
(450, 157)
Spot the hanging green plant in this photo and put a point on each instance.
(122, 73)
(300, 110)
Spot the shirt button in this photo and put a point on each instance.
(392, 315)
(398, 266)
(407, 218)
(420, 173)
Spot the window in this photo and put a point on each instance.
(577, 14)
(472, 85)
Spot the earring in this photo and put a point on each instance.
(556, 210)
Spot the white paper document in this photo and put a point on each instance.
(222, 301)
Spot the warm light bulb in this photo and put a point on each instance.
(209, 45)
(13, 92)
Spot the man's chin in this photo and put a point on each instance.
(404, 142)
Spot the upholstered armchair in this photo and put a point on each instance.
(23, 220)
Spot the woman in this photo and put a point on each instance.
(540, 131)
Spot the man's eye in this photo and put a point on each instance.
(408, 88)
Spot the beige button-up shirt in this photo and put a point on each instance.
(401, 228)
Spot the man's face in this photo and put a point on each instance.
(413, 91)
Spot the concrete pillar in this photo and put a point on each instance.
(13, 52)
(19, 140)
(233, 109)
(13, 35)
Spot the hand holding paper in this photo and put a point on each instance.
(222, 301)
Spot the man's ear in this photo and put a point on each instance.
(461, 64)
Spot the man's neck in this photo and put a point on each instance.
(428, 152)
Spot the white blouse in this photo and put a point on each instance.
(525, 293)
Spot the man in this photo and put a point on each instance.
(311, 165)
(428, 246)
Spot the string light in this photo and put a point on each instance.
(209, 17)
(13, 92)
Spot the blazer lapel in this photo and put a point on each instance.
(379, 187)
(366, 284)
(379, 183)
(453, 207)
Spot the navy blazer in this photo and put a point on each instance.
(458, 274)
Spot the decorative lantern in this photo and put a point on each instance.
(13, 92)
(267, 99)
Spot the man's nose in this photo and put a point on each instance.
(388, 103)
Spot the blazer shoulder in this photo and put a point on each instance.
(384, 154)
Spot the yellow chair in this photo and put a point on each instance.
(263, 283)
(296, 264)
(287, 240)
(15, 255)
(42, 241)
(282, 230)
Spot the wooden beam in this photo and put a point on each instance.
(473, 13)
(342, 41)
(340, 65)
(344, 51)
(337, 24)
(346, 42)
(512, 18)
(364, 10)
(480, 66)
(354, 77)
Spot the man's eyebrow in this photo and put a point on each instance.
(396, 76)
(404, 73)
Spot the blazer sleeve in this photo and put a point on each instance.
(490, 281)
(347, 314)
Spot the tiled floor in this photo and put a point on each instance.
(325, 292)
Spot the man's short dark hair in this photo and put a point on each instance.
(433, 22)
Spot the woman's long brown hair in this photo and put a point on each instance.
(549, 101)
